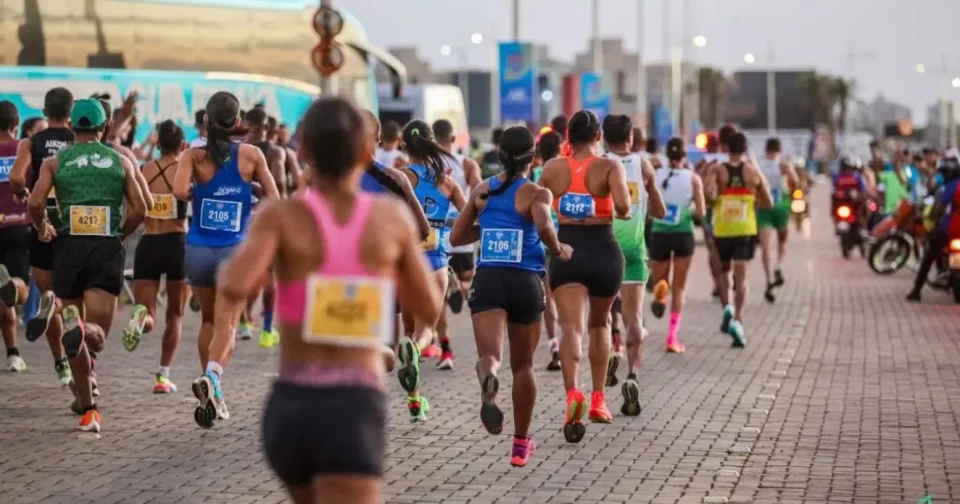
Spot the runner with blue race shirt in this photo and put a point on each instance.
(221, 174)
(437, 194)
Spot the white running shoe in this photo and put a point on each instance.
(15, 364)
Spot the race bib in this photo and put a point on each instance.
(164, 207)
(733, 211)
(218, 215)
(577, 206)
(6, 164)
(673, 215)
(501, 245)
(349, 311)
(433, 240)
(634, 189)
(89, 220)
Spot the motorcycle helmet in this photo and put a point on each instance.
(849, 163)
(949, 167)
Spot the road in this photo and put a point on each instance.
(845, 393)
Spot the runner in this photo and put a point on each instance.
(30, 155)
(293, 172)
(160, 253)
(220, 174)
(91, 182)
(740, 187)
(201, 140)
(717, 153)
(389, 153)
(490, 164)
(31, 307)
(644, 200)
(326, 244)
(14, 240)
(548, 147)
(510, 216)
(587, 189)
(466, 173)
(671, 241)
(438, 193)
(782, 178)
(119, 122)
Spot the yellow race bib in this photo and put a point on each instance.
(89, 220)
(164, 207)
(349, 311)
(733, 210)
(634, 189)
(432, 241)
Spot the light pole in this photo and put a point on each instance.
(463, 74)
(597, 57)
(948, 122)
(750, 58)
(641, 71)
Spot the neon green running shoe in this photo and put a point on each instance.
(418, 408)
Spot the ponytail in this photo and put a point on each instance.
(419, 143)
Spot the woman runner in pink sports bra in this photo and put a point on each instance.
(337, 253)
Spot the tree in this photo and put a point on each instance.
(819, 97)
(714, 87)
(842, 91)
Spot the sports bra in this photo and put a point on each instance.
(165, 205)
(578, 203)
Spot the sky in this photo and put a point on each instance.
(888, 37)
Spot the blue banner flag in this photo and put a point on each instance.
(519, 96)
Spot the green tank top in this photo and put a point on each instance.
(90, 189)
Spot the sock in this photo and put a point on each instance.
(521, 440)
(674, 327)
(92, 407)
(444, 343)
(164, 371)
(12, 351)
(60, 363)
(632, 376)
(215, 368)
(268, 320)
(731, 309)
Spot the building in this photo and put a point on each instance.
(746, 104)
(876, 115)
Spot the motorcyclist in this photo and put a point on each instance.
(946, 213)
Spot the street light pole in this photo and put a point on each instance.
(771, 92)
(516, 20)
(597, 63)
(641, 71)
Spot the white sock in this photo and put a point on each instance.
(165, 371)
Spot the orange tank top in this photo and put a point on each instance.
(577, 203)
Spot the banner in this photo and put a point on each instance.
(663, 125)
(519, 93)
(594, 95)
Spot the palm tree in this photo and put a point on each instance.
(714, 87)
(842, 91)
(817, 88)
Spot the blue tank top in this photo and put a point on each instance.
(508, 239)
(370, 184)
(221, 207)
(436, 207)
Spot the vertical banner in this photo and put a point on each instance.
(663, 124)
(519, 94)
(571, 95)
(594, 95)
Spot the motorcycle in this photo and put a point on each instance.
(953, 254)
(896, 238)
(798, 208)
(847, 222)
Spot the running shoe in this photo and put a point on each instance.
(245, 331)
(16, 364)
(8, 289)
(37, 326)
(456, 301)
(269, 339)
(613, 363)
(64, 375)
(409, 373)
(554, 364)
(598, 409)
(446, 361)
(778, 280)
(195, 304)
(676, 347)
(431, 350)
(72, 331)
(573, 428)
(90, 421)
(418, 407)
(212, 406)
(725, 321)
(660, 292)
(134, 331)
(768, 293)
(736, 332)
(163, 385)
(522, 450)
(490, 415)
(631, 397)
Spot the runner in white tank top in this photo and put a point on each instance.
(781, 177)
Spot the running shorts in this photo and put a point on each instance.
(41, 254)
(15, 251)
(158, 255)
(664, 246)
(302, 439)
(518, 292)
(739, 248)
(777, 217)
(202, 263)
(82, 263)
(462, 262)
(597, 262)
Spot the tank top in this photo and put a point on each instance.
(676, 189)
(341, 303)
(369, 182)
(165, 205)
(630, 233)
(43, 145)
(508, 239)
(719, 157)
(388, 157)
(221, 206)
(734, 214)
(11, 213)
(457, 174)
(771, 170)
(90, 184)
(577, 203)
(633, 167)
(436, 207)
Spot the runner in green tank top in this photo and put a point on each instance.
(91, 181)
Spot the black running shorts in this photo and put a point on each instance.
(160, 254)
(15, 251)
(82, 263)
(597, 262)
(740, 248)
(664, 246)
(518, 292)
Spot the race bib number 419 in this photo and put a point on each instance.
(164, 207)
(349, 311)
(217, 215)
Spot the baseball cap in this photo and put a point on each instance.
(87, 114)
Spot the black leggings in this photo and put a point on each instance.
(597, 262)
(934, 251)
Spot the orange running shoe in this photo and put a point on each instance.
(573, 428)
(90, 421)
(676, 347)
(522, 449)
(660, 292)
(598, 409)
(431, 350)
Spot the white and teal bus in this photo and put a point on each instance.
(175, 53)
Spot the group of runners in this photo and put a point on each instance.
(357, 259)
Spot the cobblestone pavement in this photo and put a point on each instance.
(844, 394)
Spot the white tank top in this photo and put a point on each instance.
(388, 157)
(679, 190)
(771, 170)
(719, 157)
(633, 166)
(455, 171)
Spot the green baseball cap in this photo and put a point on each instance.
(87, 114)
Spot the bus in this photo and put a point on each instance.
(258, 43)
